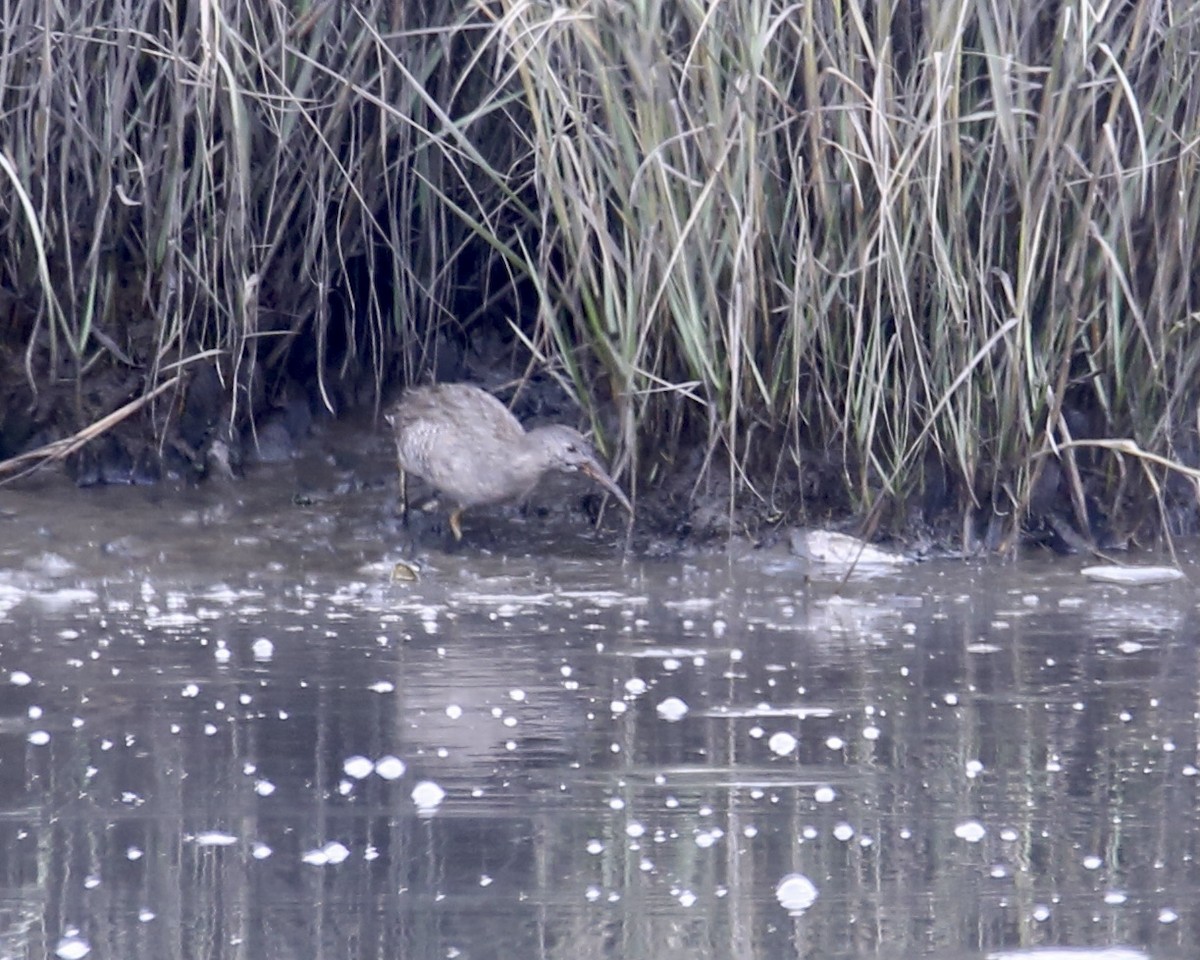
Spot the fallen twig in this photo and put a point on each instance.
(59, 449)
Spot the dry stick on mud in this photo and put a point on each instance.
(68, 445)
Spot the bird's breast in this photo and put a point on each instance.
(469, 467)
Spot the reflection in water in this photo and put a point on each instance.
(255, 751)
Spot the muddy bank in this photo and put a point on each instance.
(199, 430)
(207, 442)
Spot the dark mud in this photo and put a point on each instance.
(194, 437)
(215, 425)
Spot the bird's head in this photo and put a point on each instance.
(566, 449)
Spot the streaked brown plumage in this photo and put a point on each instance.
(468, 446)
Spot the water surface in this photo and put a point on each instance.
(224, 734)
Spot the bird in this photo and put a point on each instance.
(468, 446)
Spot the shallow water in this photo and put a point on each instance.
(223, 733)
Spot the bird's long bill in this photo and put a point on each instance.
(596, 472)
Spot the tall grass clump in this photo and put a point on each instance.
(917, 239)
(251, 180)
(896, 245)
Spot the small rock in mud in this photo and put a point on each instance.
(824, 546)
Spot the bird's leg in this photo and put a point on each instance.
(404, 494)
(456, 522)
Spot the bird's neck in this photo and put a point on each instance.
(524, 464)
(529, 456)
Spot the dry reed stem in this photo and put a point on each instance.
(60, 449)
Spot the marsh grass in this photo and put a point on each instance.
(911, 241)
(901, 233)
